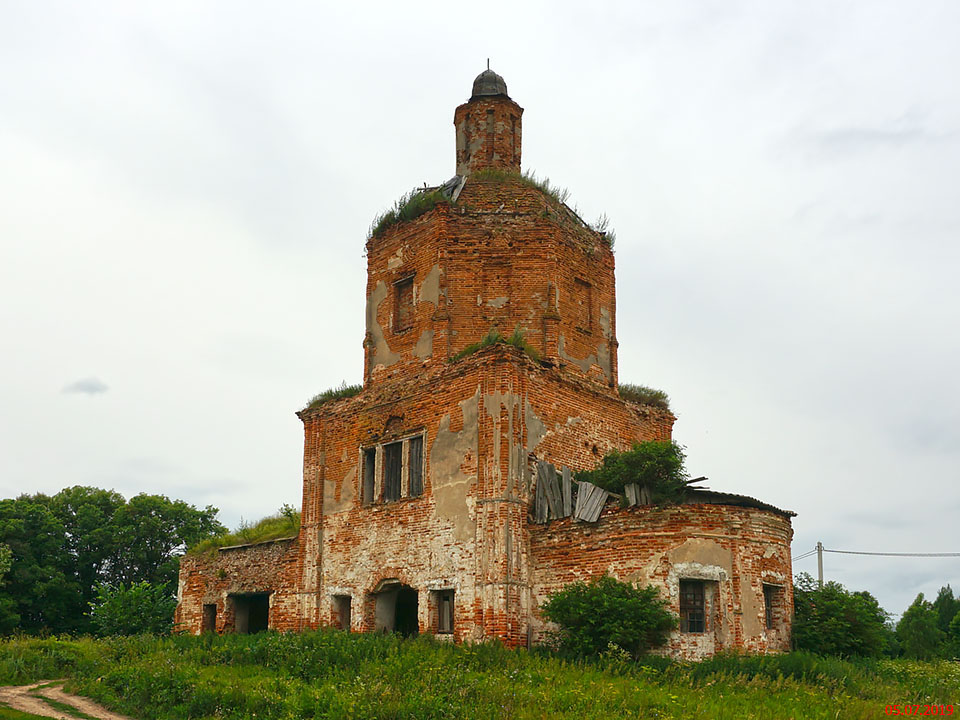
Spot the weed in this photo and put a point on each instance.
(284, 524)
(409, 207)
(493, 337)
(643, 395)
(341, 391)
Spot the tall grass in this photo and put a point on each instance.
(329, 674)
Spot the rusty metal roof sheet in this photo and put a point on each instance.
(712, 497)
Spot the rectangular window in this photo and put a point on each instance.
(692, 607)
(392, 470)
(444, 612)
(341, 612)
(415, 465)
(369, 474)
(403, 316)
(583, 299)
(771, 601)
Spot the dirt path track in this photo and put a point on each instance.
(24, 698)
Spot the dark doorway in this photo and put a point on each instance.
(407, 621)
(209, 618)
(251, 612)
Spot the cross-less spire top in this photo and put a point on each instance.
(488, 84)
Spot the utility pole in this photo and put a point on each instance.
(820, 564)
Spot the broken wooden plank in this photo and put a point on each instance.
(554, 500)
(540, 508)
(590, 502)
(566, 491)
(632, 491)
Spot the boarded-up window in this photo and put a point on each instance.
(692, 608)
(403, 317)
(583, 300)
(392, 470)
(415, 465)
(369, 474)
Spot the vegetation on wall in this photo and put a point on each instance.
(285, 523)
(606, 614)
(335, 393)
(643, 395)
(493, 337)
(557, 195)
(409, 207)
(657, 466)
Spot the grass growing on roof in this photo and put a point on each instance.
(336, 393)
(643, 395)
(284, 524)
(493, 337)
(409, 207)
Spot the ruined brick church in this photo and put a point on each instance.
(426, 503)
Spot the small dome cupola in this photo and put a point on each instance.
(488, 127)
(487, 84)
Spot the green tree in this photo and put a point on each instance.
(953, 634)
(139, 608)
(918, 633)
(947, 607)
(593, 615)
(658, 466)
(65, 545)
(834, 621)
(39, 592)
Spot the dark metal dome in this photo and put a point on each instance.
(489, 83)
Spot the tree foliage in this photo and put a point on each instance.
(834, 621)
(64, 545)
(656, 465)
(140, 608)
(918, 631)
(605, 611)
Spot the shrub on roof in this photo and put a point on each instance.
(286, 523)
(409, 207)
(658, 466)
(643, 395)
(493, 337)
(336, 393)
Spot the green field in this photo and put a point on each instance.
(329, 674)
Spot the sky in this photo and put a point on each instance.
(186, 189)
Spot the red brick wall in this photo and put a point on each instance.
(735, 549)
(211, 577)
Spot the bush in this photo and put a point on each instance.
(140, 608)
(594, 617)
(643, 395)
(658, 466)
(834, 621)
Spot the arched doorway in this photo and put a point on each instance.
(396, 608)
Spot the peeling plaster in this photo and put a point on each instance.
(498, 302)
(536, 430)
(396, 260)
(424, 347)
(382, 354)
(347, 493)
(430, 287)
(751, 606)
(704, 552)
(447, 456)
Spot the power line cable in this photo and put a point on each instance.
(886, 554)
(804, 555)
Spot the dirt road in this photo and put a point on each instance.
(29, 699)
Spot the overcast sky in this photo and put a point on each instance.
(186, 188)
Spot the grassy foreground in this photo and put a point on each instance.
(329, 674)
